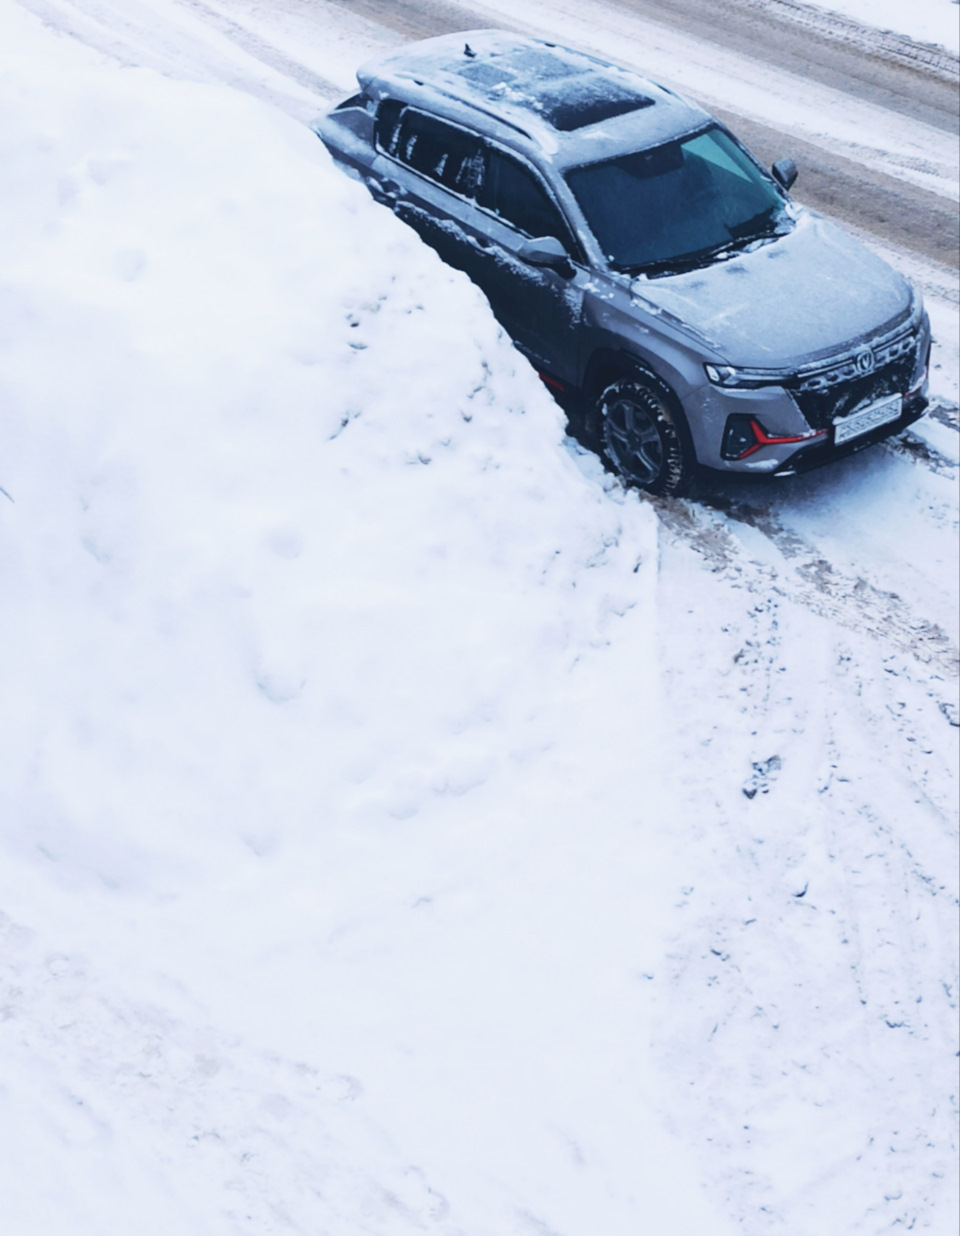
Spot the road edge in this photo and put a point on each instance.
(928, 58)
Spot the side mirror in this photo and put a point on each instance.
(784, 172)
(547, 251)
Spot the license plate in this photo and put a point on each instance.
(881, 413)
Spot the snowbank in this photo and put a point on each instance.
(316, 908)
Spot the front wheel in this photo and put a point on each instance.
(641, 437)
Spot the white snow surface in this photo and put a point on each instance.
(312, 709)
(925, 21)
(376, 850)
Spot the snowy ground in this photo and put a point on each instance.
(405, 829)
(928, 21)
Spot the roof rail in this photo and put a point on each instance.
(468, 101)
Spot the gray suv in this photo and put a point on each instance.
(683, 310)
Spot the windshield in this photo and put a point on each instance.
(677, 205)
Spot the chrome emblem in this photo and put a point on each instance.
(865, 361)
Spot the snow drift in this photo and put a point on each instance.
(306, 663)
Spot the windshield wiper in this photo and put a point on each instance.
(694, 261)
(677, 265)
(765, 223)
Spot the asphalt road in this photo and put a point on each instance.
(895, 211)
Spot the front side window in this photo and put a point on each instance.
(677, 205)
(511, 191)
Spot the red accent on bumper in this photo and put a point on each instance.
(762, 438)
(547, 380)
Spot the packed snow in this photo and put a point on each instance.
(925, 21)
(405, 828)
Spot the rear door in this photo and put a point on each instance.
(477, 205)
(540, 307)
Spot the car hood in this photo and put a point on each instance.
(791, 300)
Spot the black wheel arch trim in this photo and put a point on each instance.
(608, 365)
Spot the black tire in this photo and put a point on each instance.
(643, 436)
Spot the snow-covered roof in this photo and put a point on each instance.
(563, 101)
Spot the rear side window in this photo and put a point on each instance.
(447, 155)
(463, 163)
(356, 102)
(444, 154)
(386, 129)
(514, 193)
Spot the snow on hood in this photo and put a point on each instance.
(804, 295)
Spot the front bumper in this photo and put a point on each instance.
(816, 455)
(780, 427)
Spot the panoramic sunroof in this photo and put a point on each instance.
(557, 88)
(575, 111)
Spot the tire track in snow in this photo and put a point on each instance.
(911, 447)
(261, 49)
(835, 49)
(195, 44)
(926, 58)
(815, 583)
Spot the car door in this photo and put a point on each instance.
(477, 206)
(539, 306)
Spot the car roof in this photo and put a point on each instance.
(552, 101)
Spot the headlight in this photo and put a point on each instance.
(721, 375)
(745, 379)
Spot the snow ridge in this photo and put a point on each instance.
(913, 53)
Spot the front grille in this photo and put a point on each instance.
(823, 377)
(821, 405)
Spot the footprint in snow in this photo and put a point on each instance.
(763, 775)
